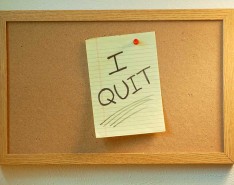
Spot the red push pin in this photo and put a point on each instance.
(136, 41)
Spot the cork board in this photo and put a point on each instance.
(49, 96)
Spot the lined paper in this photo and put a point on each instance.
(125, 85)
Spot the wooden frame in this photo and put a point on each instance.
(225, 157)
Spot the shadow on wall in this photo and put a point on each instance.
(124, 175)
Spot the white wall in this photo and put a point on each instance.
(116, 174)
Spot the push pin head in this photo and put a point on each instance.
(136, 41)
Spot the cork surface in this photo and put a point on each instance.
(50, 108)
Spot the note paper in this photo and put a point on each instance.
(125, 85)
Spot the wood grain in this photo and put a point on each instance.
(114, 15)
(3, 90)
(114, 158)
(228, 87)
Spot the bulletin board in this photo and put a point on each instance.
(46, 111)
